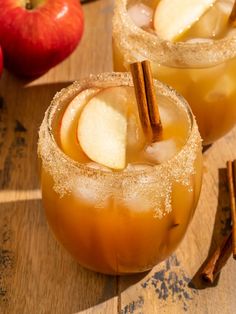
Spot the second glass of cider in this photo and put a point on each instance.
(192, 47)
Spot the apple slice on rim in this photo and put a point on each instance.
(102, 127)
(173, 17)
(69, 122)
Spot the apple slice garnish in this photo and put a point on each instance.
(102, 127)
(69, 122)
(175, 17)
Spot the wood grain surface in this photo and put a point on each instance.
(37, 276)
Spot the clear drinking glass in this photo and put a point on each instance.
(119, 222)
(203, 72)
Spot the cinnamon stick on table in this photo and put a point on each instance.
(218, 259)
(234, 180)
(228, 245)
(231, 167)
(146, 99)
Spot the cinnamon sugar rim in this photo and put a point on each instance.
(138, 44)
(51, 153)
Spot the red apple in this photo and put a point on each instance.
(36, 35)
(1, 62)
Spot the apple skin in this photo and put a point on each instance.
(35, 40)
(1, 61)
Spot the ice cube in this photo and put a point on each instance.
(137, 202)
(87, 190)
(97, 166)
(222, 89)
(138, 167)
(202, 75)
(168, 116)
(136, 198)
(141, 14)
(135, 136)
(231, 33)
(161, 151)
(199, 40)
(213, 23)
(91, 191)
(225, 6)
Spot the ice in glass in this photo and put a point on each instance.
(118, 203)
(192, 47)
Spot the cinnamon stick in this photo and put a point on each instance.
(234, 180)
(232, 17)
(232, 193)
(146, 99)
(228, 245)
(234, 176)
(153, 110)
(139, 87)
(218, 259)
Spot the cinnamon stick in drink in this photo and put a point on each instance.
(139, 87)
(146, 99)
(152, 103)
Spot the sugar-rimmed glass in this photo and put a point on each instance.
(203, 72)
(124, 221)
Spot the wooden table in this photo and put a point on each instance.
(36, 275)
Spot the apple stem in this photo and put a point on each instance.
(29, 5)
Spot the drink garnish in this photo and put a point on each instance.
(146, 100)
(102, 127)
(173, 18)
(69, 122)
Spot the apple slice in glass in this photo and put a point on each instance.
(173, 18)
(69, 122)
(102, 127)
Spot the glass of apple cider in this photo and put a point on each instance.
(192, 47)
(117, 203)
